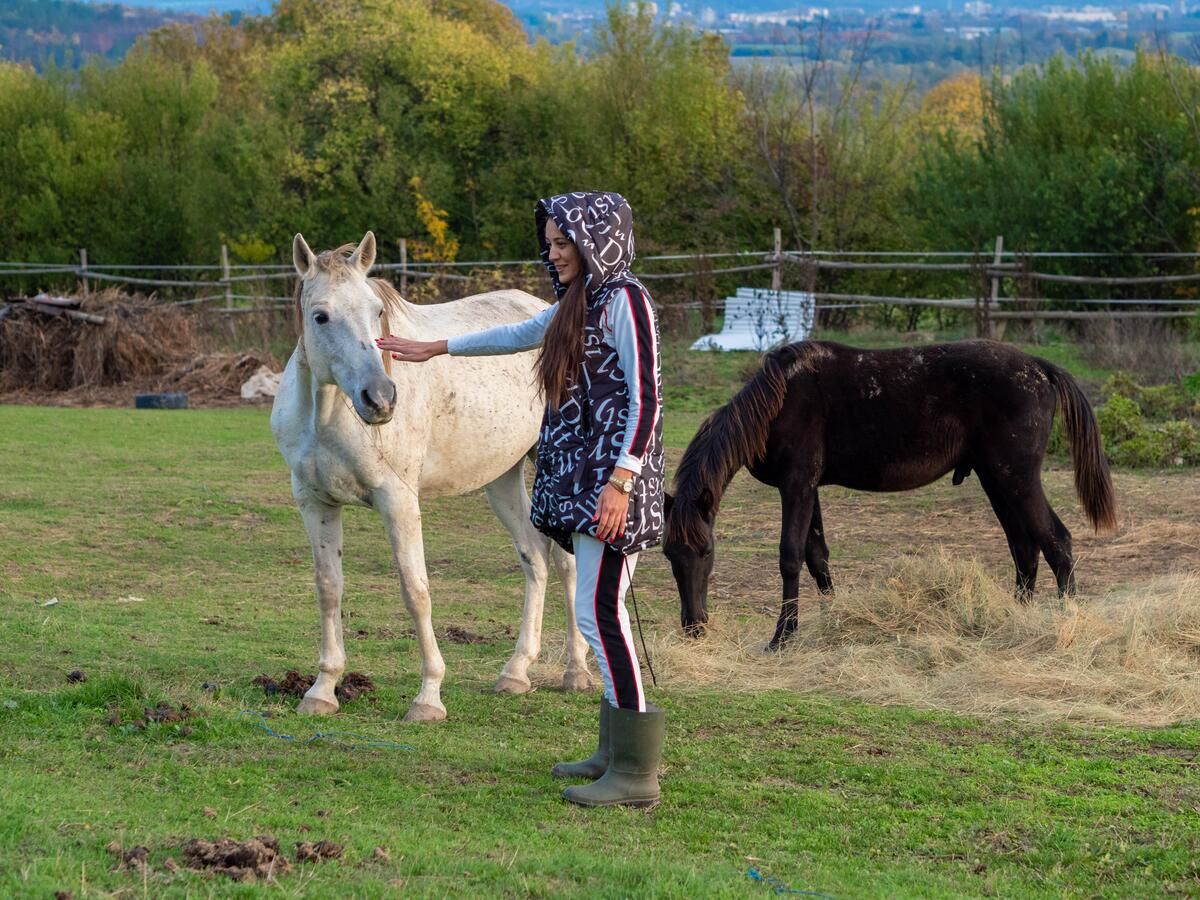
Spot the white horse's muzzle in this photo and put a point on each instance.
(375, 402)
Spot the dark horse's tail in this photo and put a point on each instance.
(1092, 481)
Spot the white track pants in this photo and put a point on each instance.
(602, 578)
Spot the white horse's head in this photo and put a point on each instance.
(340, 314)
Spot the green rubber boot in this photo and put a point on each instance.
(635, 745)
(596, 764)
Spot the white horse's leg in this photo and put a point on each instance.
(324, 526)
(402, 518)
(576, 677)
(506, 495)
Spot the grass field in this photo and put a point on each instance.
(182, 571)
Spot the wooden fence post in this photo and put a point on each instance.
(996, 330)
(83, 269)
(225, 277)
(777, 272)
(403, 267)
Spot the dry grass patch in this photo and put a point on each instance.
(942, 633)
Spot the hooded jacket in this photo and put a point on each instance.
(612, 414)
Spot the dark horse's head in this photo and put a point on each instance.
(733, 436)
(689, 547)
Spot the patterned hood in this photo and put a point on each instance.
(600, 224)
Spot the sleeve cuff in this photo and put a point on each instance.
(452, 346)
(630, 462)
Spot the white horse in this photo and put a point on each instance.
(351, 434)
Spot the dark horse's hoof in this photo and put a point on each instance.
(697, 630)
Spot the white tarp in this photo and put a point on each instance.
(759, 319)
(262, 385)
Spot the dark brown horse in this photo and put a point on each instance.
(821, 413)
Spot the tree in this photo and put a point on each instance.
(1083, 156)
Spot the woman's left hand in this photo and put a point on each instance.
(611, 510)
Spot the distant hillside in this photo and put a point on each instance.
(64, 33)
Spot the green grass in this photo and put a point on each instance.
(191, 512)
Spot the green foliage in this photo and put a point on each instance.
(1160, 446)
(1120, 419)
(1084, 155)
(1132, 427)
(1164, 401)
(1191, 386)
(335, 117)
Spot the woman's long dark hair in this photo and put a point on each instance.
(562, 345)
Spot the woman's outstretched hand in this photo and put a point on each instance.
(410, 351)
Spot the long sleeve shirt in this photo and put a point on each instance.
(628, 325)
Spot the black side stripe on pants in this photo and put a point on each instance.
(620, 661)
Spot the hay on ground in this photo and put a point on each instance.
(940, 633)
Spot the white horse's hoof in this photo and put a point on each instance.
(578, 681)
(315, 706)
(510, 684)
(423, 712)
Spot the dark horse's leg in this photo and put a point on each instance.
(1021, 545)
(793, 539)
(1031, 525)
(1061, 559)
(816, 551)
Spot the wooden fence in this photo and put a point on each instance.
(232, 288)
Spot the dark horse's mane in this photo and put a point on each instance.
(733, 436)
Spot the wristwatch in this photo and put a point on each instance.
(625, 485)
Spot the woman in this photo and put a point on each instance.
(598, 490)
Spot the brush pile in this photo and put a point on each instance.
(56, 343)
(216, 374)
(104, 346)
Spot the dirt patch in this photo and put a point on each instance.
(307, 851)
(241, 860)
(456, 634)
(1159, 535)
(353, 686)
(135, 858)
(295, 684)
(163, 712)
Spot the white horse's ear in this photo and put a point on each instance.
(364, 254)
(302, 257)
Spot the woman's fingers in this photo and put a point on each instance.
(610, 515)
(404, 349)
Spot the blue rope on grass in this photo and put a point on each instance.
(333, 737)
(779, 887)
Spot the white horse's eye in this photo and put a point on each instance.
(321, 318)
